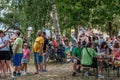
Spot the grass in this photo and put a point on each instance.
(60, 71)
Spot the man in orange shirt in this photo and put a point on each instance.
(38, 51)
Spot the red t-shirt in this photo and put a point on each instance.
(55, 43)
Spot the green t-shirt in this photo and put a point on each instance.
(86, 59)
(18, 41)
(77, 52)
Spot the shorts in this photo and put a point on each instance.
(38, 58)
(5, 55)
(86, 65)
(45, 58)
(35, 57)
(17, 59)
(24, 60)
(78, 61)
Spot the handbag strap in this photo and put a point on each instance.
(88, 52)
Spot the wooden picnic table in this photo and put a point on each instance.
(117, 64)
(104, 59)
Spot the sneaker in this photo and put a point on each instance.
(14, 73)
(74, 74)
(18, 74)
(23, 73)
(44, 70)
(100, 76)
(12, 76)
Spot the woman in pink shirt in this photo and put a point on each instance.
(116, 51)
(25, 58)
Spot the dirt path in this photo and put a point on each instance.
(57, 71)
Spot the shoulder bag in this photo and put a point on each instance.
(94, 60)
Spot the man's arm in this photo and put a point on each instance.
(76, 58)
(5, 44)
(16, 48)
(47, 46)
(41, 48)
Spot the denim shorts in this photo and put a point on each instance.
(78, 61)
(35, 57)
(38, 58)
(24, 60)
(17, 59)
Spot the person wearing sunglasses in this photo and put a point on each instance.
(25, 58)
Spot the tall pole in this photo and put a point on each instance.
(56, 22)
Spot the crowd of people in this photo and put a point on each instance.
(15, 52)
(95, 47)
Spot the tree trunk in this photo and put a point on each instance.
(110, 29)
(77, 36)
(76, 32)
(77, 29)
(56, 22)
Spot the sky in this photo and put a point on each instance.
(2, 27)
(2, 12)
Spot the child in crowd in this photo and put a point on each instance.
(25, 58)
(116, 50)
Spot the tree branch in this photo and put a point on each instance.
(10, 25)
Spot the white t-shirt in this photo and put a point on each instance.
(2, 41)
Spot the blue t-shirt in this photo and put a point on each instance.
(67, 49)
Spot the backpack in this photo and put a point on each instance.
(94, 60)
(61, 51)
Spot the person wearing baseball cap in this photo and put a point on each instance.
(77, 58)
(17, 53)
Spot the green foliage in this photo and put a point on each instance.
(27, 13)
(100, 14)
(92, 13)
